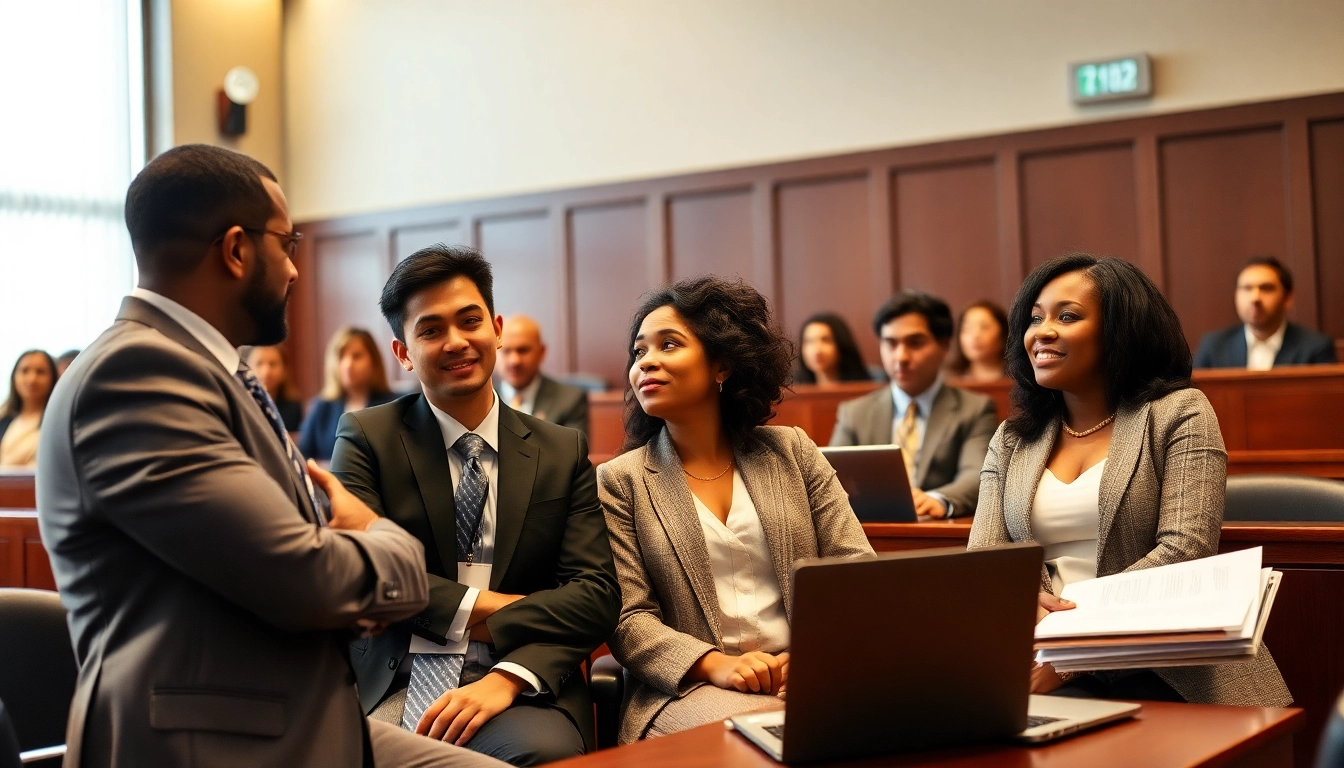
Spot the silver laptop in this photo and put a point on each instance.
(915, 650)
(875, 479)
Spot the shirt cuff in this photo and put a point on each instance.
(950, 506)
(538, 687)
(458, 629)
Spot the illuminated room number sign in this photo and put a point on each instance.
(1124, 78)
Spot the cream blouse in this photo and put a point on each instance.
(1065, 518)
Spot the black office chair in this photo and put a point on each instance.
(1293, 498)
(606, 686)
(37, 678)
(1331, 752)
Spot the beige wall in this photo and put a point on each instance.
(393, 103)
(210, 37)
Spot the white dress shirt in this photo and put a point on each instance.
(751, 604)
(1260, 354)
(209, 336)
(1065, 518)
(529, 393)
(488, 430)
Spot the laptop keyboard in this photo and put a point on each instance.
(1035, 720)
(775, 730)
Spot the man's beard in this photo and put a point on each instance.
(269, 317)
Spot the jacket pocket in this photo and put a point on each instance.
(254, 713)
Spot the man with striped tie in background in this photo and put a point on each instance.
(522, 583)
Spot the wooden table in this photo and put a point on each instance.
(1305, 632)
(1164, 734)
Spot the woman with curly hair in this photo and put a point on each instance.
(708, 508)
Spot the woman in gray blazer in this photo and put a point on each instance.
(707, 509)
(1111, 461)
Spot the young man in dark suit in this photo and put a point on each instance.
(943, 431)
(522, 584)
(1265, 339)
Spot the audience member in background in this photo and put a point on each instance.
(30, 385)
(515, 540)
(942, 431)
(211, 601)
(1265, 339)
(67, 357)
(354, 379)
(708, 508)
(272, 367)
(827, 353)
(526, 389)
(1112, 461)
(978, 354)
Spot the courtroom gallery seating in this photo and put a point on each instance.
(1284, 497)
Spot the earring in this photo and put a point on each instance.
(720, 386)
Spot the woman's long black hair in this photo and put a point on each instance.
(851, 365)
(734, 324)
(1144, 352)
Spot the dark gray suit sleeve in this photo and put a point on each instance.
(552, 631)
(156, 457)
(964, 490)
(355, 464)
(577, 416)
(843, 434)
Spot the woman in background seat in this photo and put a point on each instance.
(30, 385)
(707, 509)
(827, 353)
(272, 369)
(982, 330)
(355, 379)
(1112, 461)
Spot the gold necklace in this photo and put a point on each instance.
(710, 479)
(1085, 433)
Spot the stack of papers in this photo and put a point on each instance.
(1208, 611)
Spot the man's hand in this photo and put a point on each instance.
(487, 604)
(348, 513)
(754, 672)
(928, 506)
(456, 715)
(1047, 604)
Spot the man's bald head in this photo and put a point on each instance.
(521, 351)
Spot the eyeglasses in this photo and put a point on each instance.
(289, 239)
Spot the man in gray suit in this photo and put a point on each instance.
(211, 600)
(526, 389)
(943, 431)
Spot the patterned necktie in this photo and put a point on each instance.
(263, 398)
(432, 674)
(907, 438)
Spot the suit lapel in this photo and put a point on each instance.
(940, 421)
(1239, 351)
(1122, 458)
(541, 406)
(517, 471)
(879, 425)
(1285, 354)
(423, 440)
(761, 471)
(1022, 478)
(675, 508)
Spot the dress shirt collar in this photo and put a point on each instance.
(204, 332)
(1274, 342)
(452, 429)
(528, 393)
(901, 400)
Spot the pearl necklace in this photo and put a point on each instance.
(1087, 432)
(709, 479)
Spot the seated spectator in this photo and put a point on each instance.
(708, 508)
(355, 379)
(942, 431)
(272, 367)
(978, 354)
(67, 357)
(30, 385)
(1111, 461)
(827, 353)
(525, 388)
(1265, 339)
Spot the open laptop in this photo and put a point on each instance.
(875, 479)
(915, 650)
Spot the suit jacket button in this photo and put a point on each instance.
(391, 663)
(391, 592)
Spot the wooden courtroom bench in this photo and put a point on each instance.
(17, 489)
(23, 559)
(1305, 630)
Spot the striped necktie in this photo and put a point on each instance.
(263, 398)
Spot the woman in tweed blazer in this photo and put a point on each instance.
(706, 366)
(1093, 337)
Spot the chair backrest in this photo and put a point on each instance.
(9, 743)
(1294, 498)
(1331, 752)
(37, 677)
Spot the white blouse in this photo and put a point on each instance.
(1065, 518)
(751, 604)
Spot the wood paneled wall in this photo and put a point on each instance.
(1188, 197)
